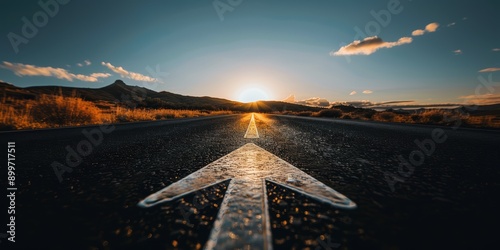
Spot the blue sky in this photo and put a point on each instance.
(280, 47)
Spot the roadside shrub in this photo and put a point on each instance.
(333, 113)
(60, 110)
(369, 114)
(387, 116)
(433, 116)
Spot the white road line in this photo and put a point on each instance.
(252, 129)
(243, 219)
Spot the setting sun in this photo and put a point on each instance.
(252, 95)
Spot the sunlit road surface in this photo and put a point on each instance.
(252, 131)
(446, 202)
(243, 219)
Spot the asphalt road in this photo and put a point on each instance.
(442, 196)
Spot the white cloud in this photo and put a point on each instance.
(84, 63)
(31, 70)
(92, 78)
(496, 49)
(315, 101)
(100, 75)
(457, 52)
(368, 46)
(418, 32)
(357, 104)
(371, 44)
(431, 27)
(489, 70)
(353, 93)
(485, 99)
(128, 74)
(367, 91)
(451, 24)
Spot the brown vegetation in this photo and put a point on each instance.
(49, 111)
(446, 117)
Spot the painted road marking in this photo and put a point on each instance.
(243, 218)
(252, 129)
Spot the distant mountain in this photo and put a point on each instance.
(9, 90)
(134, 96)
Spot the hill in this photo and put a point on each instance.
(133, 96)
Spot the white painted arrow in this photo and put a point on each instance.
(243, 219)
(252, 129)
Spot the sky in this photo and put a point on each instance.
(420, 52)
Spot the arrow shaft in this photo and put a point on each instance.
(243, 219)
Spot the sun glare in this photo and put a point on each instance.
(252, 95)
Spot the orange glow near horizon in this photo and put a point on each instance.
(253, 93)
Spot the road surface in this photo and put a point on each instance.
(415, 186)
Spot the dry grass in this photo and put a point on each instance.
(483, 121)
(50, 111)
(130, 115)
(60, 111)
(432, 116)
(11, 118)
(334, 113)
